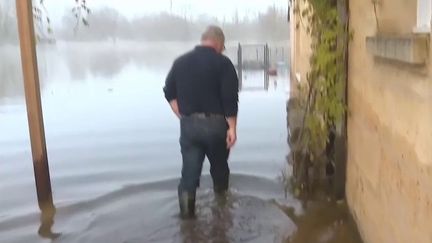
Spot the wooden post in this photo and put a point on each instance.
(33, 101)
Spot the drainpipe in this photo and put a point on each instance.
(340, 143)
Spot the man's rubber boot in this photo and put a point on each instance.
(187, 205)
(220, 195)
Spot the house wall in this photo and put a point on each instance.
(389, 167)
(389, 170)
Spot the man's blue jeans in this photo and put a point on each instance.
(200, 137)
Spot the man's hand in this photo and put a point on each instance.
(232, 132)
(231, 138)
(174, 107)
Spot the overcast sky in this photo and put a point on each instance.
(132, 8)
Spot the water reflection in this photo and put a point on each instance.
(11, 84)
(327, 222)
(217, 225)
(104, 63)
(83, 60)
(109, 59)
(222, 219)
(47, 216)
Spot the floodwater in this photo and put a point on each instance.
(115, 162)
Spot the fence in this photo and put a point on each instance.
(256, 58)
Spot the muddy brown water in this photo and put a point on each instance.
(115, 162)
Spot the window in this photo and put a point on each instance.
(424, 16)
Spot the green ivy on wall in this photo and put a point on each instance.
(322, 95)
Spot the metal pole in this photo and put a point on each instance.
(266, 66)
(240, 65)
(340, 143)
(283, 54)
(171, 6)
(33, 102)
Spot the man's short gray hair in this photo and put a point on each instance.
(213, 32)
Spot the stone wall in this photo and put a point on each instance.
(300, 46)
(389, 171)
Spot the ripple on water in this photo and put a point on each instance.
(148, 213)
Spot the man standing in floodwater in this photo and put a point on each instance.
(202, 90)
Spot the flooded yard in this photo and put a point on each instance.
(115, 160)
